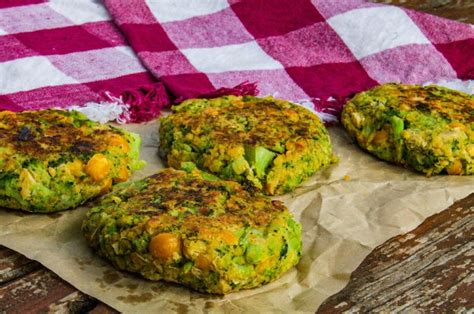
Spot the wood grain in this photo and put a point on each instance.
(27, 287)
(459, 10)
(40, 291)
(430, 269)
(14, 265)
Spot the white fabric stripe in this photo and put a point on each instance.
(30, 73)
(55, 14)
(370, 30)
(240, 57)
(460, 85)
(31, 18)
(99, 64)
(177, 10)
(81, 11)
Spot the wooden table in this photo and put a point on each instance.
(429, 268)
(28, 287)
(460, 10)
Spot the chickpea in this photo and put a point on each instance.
(106, 186)
(202, 262)
(292, 115)
(122, 175)
(117, 140)
(98, 167)
(165, 246)
(455, 168)
(380, 137)
(458, 125)
(76, 168)
(228, 237)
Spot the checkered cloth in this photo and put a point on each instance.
(297, 50)
(319, 52)
(62, 53)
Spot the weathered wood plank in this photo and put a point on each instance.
(460, 10)
(101, 308)
(430, 268)
(75, 302)
(14, 265)
(42, 291)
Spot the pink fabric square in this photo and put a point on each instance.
(130, 12)
(30, 18)
(14, 3)
(216, 29)
(119, 84)
(280, 85)
(61, 40)
(411, 64)
(312, 45)
(95, 65)
(148, 37)
(167, 62)
(332, 79)
(106, 31)
(11, 48)
(53, 96)
(264, 18)
(439, 30)
(460, 55)
(188, 85)
(331, 8)
(7, 104)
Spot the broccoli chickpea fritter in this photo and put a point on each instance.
(53, 160)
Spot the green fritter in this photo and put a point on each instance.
(194, 229)
(266, 144)
(429, 129)
(53, 160)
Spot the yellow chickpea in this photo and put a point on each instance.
(76, 168)
(211, 111)
(380, 137)
(458, 125)
(203, 263)
(106, 186)
(123, 175)
(470, 150)
(165, 246)
(292, 115)
(117, 140)
(228, 237)
(455, 168)
(98, 167)
(6, 113)
(235, 151)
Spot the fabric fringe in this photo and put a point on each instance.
(145, 103)
(243, 89)
(330, 109)
(103, 111)
(131, 106)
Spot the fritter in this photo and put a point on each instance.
(53, 160)
(429, 129)
(266, 144)
(194, 229)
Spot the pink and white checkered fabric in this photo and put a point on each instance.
(298, 50)
(62, 53)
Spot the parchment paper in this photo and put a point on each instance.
(343, 220)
